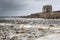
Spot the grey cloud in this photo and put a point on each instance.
(10, 5)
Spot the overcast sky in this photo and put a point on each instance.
(25, 7)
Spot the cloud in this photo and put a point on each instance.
(11, 6)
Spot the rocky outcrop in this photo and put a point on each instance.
(50, 15)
